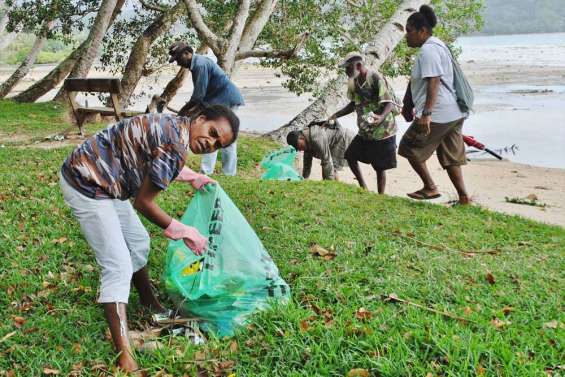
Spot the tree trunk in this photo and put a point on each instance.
(26, 65)
(254, 28)
(140, 50)
(227, 59)
(174, 85)
(376, 53)
(52, 79)
(93, 42)
(58, 74)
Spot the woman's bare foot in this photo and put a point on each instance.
(153, 305)
(127, 363)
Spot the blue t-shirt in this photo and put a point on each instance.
(211, 84)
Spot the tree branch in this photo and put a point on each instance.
(237, 28)
(274, 54)
(153, 7)
(202, 29)
(86, 11)
(257, 23)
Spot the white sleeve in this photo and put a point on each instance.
(431, 62)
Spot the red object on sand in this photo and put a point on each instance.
(470, 141)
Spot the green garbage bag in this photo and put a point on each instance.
(280, 165)
(233, 278)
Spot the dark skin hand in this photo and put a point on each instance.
(348, 109)
(431, 98)
(380, 117)
(145, 204)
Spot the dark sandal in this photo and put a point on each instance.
(421, 195)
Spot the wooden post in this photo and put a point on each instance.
(116, 105)
(74, 106)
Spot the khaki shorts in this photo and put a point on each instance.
(445, 138)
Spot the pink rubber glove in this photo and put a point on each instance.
(191, 236)
(196, 180)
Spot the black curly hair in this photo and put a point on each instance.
(425, 18)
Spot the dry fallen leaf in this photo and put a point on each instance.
(233, 346)
(76, 348)
(551, 325)
(226, 364)
(499, 324)
(507, 309)
(50, 372)
(304, 325)
(150, 346)
(358, 373)
(318, 250)
(363, 314)
(468, 310)
(490, 278)
(59, 240)
(19, 321)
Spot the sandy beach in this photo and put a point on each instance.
(488, 182)
(520, 90)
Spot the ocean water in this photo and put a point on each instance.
(525, 120)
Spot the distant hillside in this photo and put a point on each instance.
(524, 16)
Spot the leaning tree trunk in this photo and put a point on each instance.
(58, 74)
(227, 59)
(376, 53)
(254, 28)
(26, 65)
(101, 24)
(52, 79)
(133, 70)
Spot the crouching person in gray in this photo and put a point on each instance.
(325, 143)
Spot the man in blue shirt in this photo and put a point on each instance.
(211, 86)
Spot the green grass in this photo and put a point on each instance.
(22, 123)
(431, 255)
(53, 52)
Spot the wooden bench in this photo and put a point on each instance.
(98, 85)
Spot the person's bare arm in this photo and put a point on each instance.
(431, 98)
(378, 119)
(306, 165)
(348, 109)
(145, 204)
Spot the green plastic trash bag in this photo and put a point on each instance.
(280, 165)
(233, 278)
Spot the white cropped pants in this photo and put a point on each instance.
(117, 236)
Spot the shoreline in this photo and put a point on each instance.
(488, 182)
